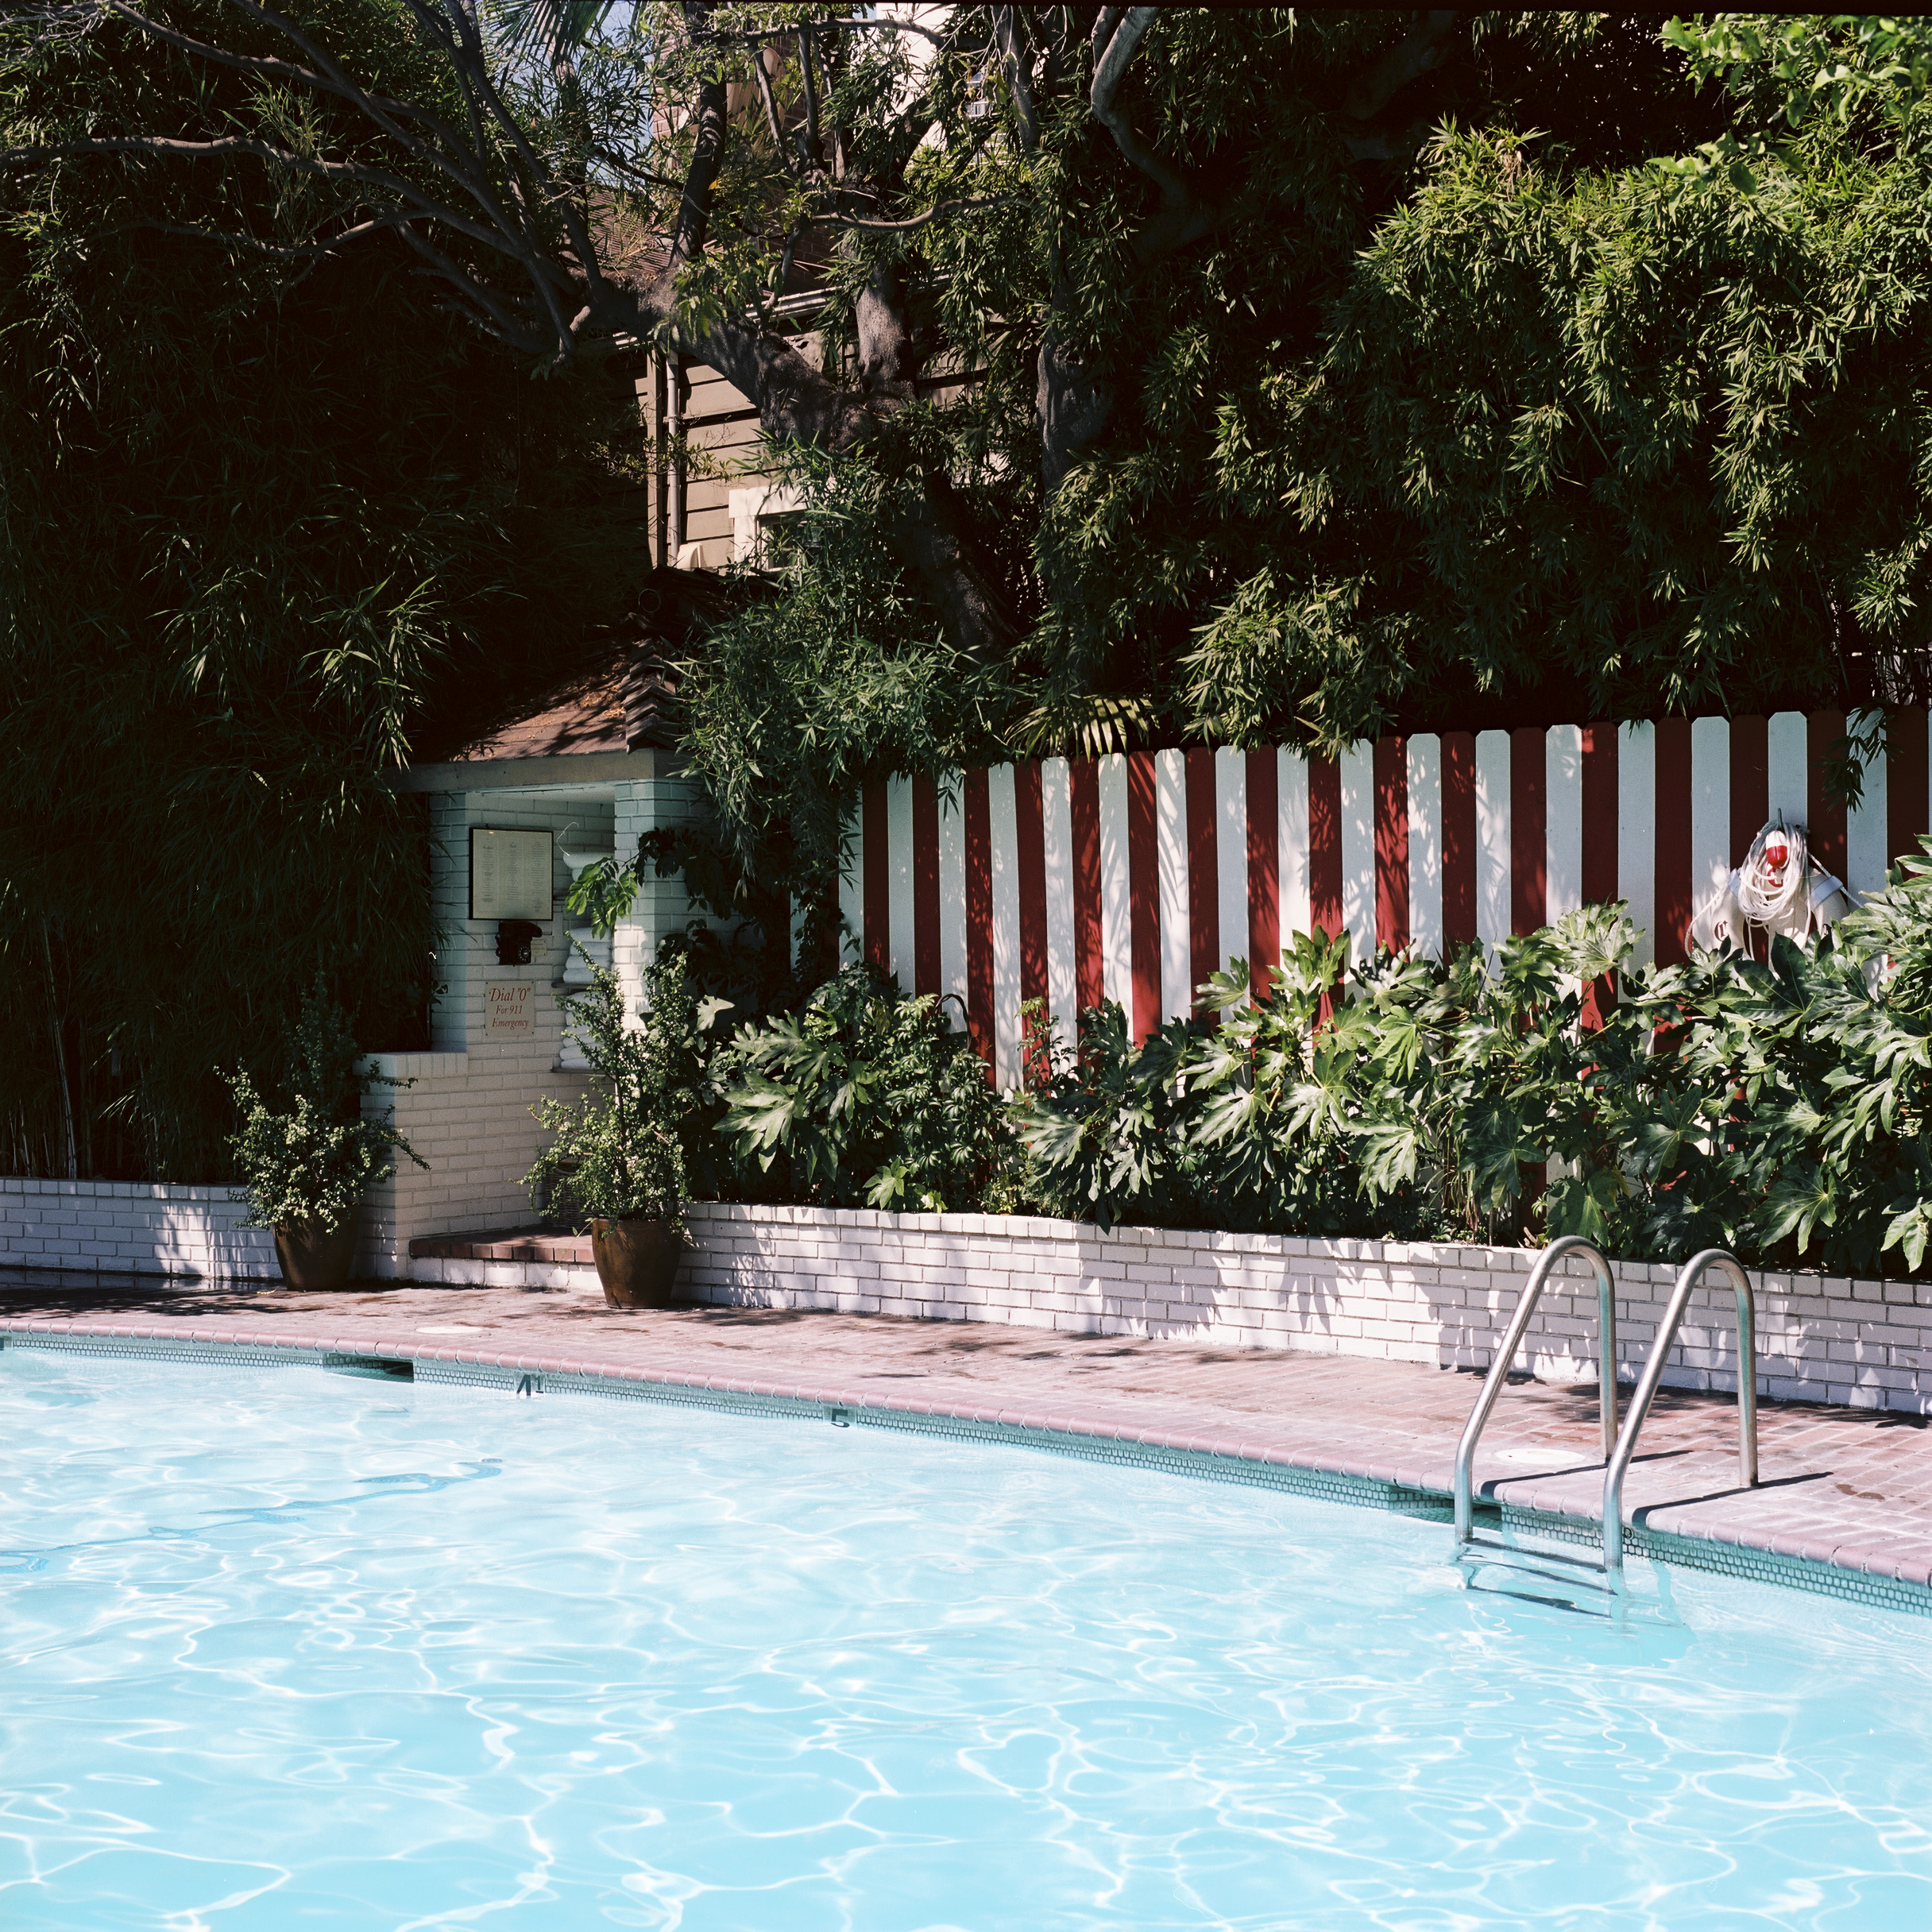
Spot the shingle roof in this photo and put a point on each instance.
(612, 691)
(616, 704)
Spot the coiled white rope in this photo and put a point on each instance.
(1772, 878)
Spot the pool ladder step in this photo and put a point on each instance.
(1583, 1572)
(1604, 1573)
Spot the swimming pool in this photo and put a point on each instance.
(281, 1648)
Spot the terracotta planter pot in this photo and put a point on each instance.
(637, 1261)
(316, 1257)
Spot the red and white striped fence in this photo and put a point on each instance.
(1133, 877)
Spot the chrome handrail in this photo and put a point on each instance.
(1653, 1375)
(1505, 1354)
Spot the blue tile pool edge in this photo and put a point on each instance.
(1717, 1558)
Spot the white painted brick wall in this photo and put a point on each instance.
(662, 906)
(467, 957)
(1820, 1339)
(124, 1227)
(471, 1120)
(468, 1112)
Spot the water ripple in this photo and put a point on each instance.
(274, 1654)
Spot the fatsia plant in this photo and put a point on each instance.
(1829, 1056)
(1103, 1132)
(1775, 1108)
(1478, 1072)
(865, 1094)
(1248, 1123)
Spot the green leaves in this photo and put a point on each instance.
(1907, 1231)
(314, 1156)
(636, 1146)
(832, 673)
(1564, 420)
(1832, 65)
(864, 1095)
(1780, 1110)
(1852, 73)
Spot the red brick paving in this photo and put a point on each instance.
(1848, 1486)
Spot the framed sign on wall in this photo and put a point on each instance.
(509, 874)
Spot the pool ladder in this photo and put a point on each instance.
(1606, 1573)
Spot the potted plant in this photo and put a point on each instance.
(617, 1160)
(304, 1166)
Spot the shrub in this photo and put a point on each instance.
(1778, 1108)
(629, 1151)
(866, 1094)
(1246, 1124)
(1814, 1079)
(312, 1159)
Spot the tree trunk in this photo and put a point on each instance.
(69, 1146)
(1074, 405)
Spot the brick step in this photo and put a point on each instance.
(506, 1244)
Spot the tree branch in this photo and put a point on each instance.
(611, 158)
(864, 225)
(300, 251)
(1184, 217)
(446, 154)
(473, 68)
(422, 207)
(771, 111)
(1117, 36)
(1419, 52)
(247, 63)
(1019, 77)
(814, 154)
(499, 319)
(693, 219)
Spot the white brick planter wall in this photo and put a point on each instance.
(1820, 1339)
(124, 1227)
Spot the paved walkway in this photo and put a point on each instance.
(1842, 1485)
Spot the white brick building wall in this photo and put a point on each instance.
(466, 959)
(663, 905)
(468, 1112)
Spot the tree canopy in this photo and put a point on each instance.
(257, 508)
(1327, 372)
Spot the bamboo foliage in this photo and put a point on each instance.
(265, 515)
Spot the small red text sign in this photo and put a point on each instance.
(511, 1014)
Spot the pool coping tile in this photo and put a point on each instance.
(1330, 1425)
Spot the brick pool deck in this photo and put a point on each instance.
(1849, 1487)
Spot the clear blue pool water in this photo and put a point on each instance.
(281, 1649)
